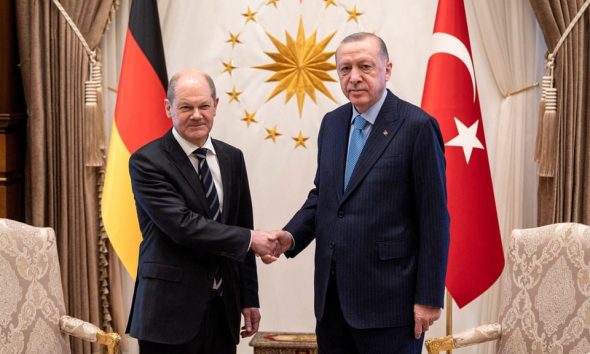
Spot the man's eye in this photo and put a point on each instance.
(344, 70)
(366, 67)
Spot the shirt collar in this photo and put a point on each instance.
(189, 147)
(371, 114)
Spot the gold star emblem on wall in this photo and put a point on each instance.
(249, 118)
(233, 39)
(272, 2)
(228, 67)
(330, 2)
(300, 66)
(249, 15)
(300, 140)
(234, 95)
(353, 14)
(272, 134)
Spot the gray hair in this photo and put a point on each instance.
(360, 36)
(171, 92)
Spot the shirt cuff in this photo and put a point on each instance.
(292, 240)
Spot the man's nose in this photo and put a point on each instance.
(196, 114)
(355, 75)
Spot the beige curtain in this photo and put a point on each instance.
(508, 30)
(65, 144)
(566, 196)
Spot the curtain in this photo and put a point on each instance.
(565, 197)
(508, 29)
(65, 142)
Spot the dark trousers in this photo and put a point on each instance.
(336, 336)
(214, 336)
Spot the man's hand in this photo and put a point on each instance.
(424, 317)
(251, 321)
(284, 243)
(263, 245)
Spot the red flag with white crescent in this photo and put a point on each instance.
(450, 95)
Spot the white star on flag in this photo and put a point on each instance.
(466, 139)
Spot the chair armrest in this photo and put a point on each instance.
(471, 336)
(89, 332)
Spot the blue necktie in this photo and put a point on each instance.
(212, 201)
(355, 146)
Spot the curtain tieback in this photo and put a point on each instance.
(545, 147)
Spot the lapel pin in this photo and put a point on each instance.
(385, 132)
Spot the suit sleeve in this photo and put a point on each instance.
(165, 206)
(432, 215)
(247, 269)
(303, 224)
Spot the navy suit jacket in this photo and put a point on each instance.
(388, 232)
(182, 247)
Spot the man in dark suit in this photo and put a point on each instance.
(197, 268)
(378, 213)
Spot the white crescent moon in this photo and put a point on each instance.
(445, 43)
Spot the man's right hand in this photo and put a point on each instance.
(264, 246)
(285, 243)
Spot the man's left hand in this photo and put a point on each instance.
(424, 317)
(251, 321)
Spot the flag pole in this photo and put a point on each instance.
(449, 306)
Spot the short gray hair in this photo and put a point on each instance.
(361, 36)
(171, 92)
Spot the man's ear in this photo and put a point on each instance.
(167, 108)
(388, 68)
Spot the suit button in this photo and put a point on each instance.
(340, 213)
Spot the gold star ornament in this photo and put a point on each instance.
(234, 95)
(272, 134)
(249, 118)
(228, 67)
(330, 2)
(301, 66)
(233, 39)
(249, 15)
(353, 14)
(272, 2)
(300, 140)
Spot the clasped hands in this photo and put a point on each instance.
(269, 245)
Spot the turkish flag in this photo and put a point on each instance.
(450, 95)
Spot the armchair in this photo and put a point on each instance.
(545, 295)
(32, 310)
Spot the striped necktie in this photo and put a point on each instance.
(355, 146)
(208, 184)
(212, 201)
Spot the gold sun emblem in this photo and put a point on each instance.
(300, 67)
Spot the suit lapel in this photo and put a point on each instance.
(178, 159)
(386, 126)
(226, 170)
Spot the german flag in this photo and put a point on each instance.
(139, 119)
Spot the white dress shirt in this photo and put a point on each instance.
(211, 158)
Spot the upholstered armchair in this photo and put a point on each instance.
(32, 310)
(545, 295)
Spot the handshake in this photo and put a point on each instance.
(270, 245)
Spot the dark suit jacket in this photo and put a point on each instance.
(182, 246)
(388, 233)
